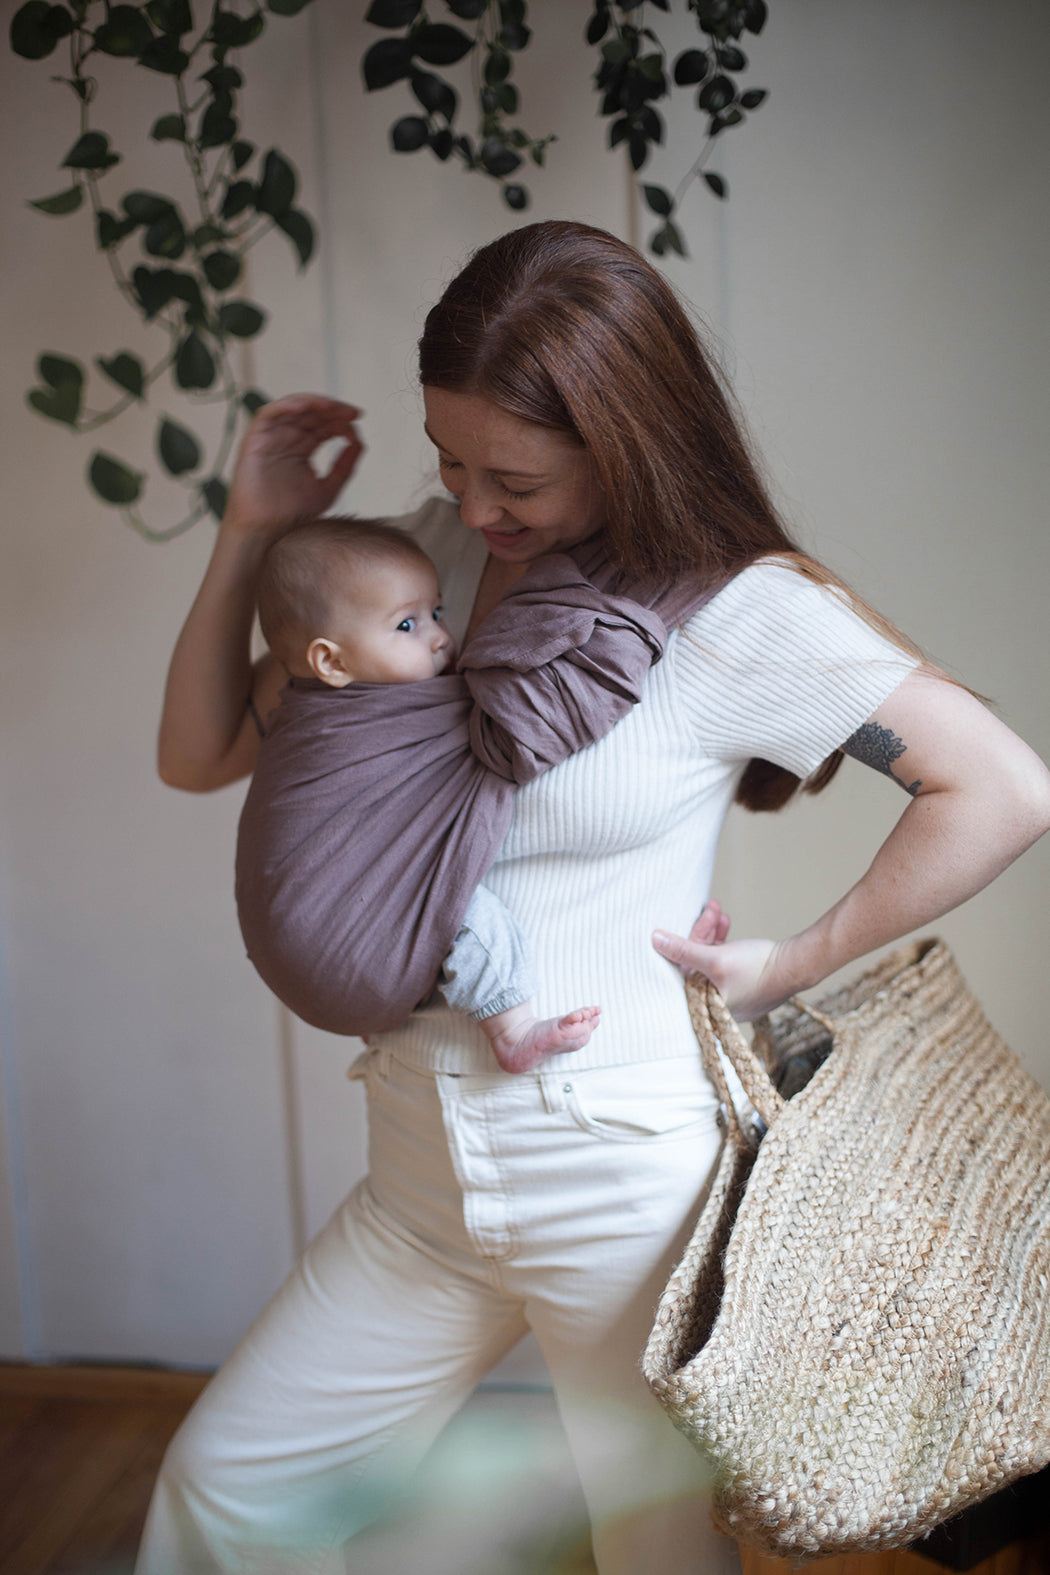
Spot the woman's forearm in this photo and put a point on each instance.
(204, 739)
(947, 846)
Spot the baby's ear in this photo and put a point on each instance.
(327, 663)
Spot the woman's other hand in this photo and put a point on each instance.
(742, 971)
(274, 481)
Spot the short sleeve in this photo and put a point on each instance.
(779, 667)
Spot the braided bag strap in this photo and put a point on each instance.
(714, 1028)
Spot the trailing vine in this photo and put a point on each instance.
(631, 78)
(239, 195)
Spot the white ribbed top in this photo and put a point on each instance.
(620, 839)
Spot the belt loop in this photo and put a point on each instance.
(553, 1093)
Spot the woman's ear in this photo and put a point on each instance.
(326, 661)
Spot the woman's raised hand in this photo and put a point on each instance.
(274, 481)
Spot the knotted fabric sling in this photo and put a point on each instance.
(859, 1331)
(376, 810)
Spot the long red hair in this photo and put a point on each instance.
(564, 325)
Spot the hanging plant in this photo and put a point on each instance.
(631, 78)
(179, 271)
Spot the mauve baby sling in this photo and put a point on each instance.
(376, 810)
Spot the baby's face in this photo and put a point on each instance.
(390, 630)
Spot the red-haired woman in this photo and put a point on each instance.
(566, 394)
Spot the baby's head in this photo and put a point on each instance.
(353, 601)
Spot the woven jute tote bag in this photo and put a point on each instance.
(858, 1334)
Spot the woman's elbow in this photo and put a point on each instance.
(176, 771)
(1025, 797)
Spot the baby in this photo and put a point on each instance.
(346, 602)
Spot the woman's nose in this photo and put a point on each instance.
(477, 510)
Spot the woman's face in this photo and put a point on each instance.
(528, 490)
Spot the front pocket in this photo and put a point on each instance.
(620, 1105)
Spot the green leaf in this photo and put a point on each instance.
(230, 31)
(409, 133)
(467, 10)
(514, 36)
(716, 95)
(515, 197)
(221, 269)
(497, 158)
(178, 448)
(194, 363)
(164, 55)
(753, 97)
(241, 319)
(90, 152)
(286, 7)
(597, 27)
(436, 96)
(507, 98)
(616, 51)
(125, 32)
(497, 67)
(386, 62)
(207, 234)
(217, 126)
(240, 153)
(60, 399)
(716, 183)
(691, 66)
(146, 207)
(254, 400)
(169, 128)
(441, 143)
(37, 27)
(155, 288)
(58, 371)
(637, 150)
(658, 200)
(223, 79)
(113, 481)
(171, 16)
(440, 44)
(239, 196)
(63, 202)
(166, 237)
(125, 370)
(300, 231)
(392, 13)
(214, 493)
(276, 191)
(672, 236)
(109, 230)
(755, 14)
(658, 243)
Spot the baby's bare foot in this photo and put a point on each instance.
(519, 1042)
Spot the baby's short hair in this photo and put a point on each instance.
(304, 570)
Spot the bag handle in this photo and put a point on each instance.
(714, 1026)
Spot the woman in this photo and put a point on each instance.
(566, 394)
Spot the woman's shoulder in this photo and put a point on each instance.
(775, 600)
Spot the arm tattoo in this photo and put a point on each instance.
(878, 747)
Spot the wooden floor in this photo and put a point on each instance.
(80, 1447)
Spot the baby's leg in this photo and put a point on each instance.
(521, 1041)
(487, 975)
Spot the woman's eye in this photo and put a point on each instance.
(510, 493)
(406, 626)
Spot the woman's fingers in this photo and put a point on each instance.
(712, 927)
(744, 972)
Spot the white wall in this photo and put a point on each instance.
(878, 280)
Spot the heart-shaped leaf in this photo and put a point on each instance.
(125, 370)
(113, 481)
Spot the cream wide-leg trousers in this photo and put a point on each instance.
(551, 1200)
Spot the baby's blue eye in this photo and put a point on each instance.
(406, 625)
